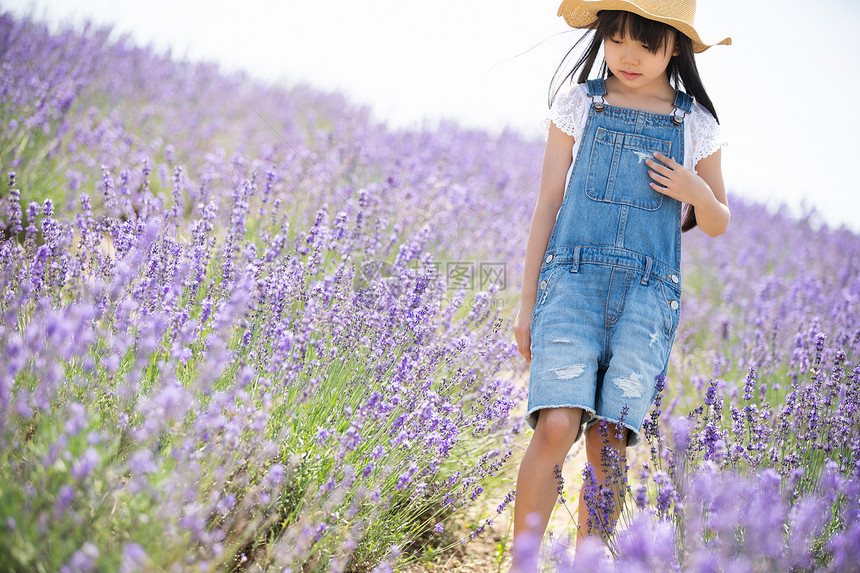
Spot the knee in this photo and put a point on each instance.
(594, 442)
(557, 428)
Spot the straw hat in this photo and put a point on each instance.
(676, 13)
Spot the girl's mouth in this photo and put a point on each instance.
(630, 76)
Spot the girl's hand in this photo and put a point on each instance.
(678, 182)
(522, 331)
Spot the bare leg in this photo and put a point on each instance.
(537, 489)
(593, 446)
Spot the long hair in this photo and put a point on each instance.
(681, 71)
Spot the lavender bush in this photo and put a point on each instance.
(240, 349)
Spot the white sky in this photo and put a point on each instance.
(785, 90)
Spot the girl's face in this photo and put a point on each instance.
(633, 64)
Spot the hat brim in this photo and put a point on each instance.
(583, 14)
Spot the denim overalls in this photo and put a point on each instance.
(609, 288)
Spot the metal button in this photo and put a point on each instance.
(548, 258)
(674, 305)
(674, 278)
(543, 285)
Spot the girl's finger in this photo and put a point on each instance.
(664, 159)
(665, 170)
(661, 189)
(660, 178)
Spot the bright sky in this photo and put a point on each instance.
(785, 90)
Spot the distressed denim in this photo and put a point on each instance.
(609, 287)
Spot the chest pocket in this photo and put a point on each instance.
(617, 172)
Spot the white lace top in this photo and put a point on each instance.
(569, 113)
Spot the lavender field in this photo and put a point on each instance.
(247, 328)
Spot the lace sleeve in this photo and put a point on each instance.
(568, 111)
(704, 134)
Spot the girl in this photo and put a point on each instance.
(602, 282)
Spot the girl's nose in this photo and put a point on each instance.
(629, 57)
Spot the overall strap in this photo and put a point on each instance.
(596, 88)
(683, 105)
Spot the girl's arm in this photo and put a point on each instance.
(556, 161)
(713, 215)
(705, 191)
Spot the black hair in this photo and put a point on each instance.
(657, 36)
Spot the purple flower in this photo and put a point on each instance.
(142, 462)
(368, 470)
(83, 560)
(351, 438)
(134, 558)
(647, 545)
(77, 419)
(225, 504)
(64, 499)
(85, 464)
(322, 436)
(749, 384)
(666, 494)
(525, 552)
(275, 476)
(407, 475)
(511, 495)
(680, 427)
(559, 479)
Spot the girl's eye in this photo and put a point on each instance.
(646, 47)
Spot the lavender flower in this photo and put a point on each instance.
(85, 464)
